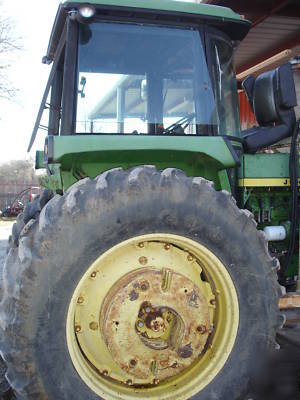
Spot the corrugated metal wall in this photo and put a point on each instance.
(272, 33)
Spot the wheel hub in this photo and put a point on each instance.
(153, 316)
(156, 327)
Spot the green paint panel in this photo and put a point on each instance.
(167, 5)
(93, 148)
(53, 181)
(204, 167)
(265, 166)
(39, 160)
(89, 155)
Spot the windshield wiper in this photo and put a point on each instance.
(179, 127)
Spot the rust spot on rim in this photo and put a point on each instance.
(132, 362)
(133, 295)
(201, 329)
(186, 351)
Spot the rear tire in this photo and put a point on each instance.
(31, 213)
(53, 252)
(6, 392)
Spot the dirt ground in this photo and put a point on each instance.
(5, 230)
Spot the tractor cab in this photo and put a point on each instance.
(154, 80)
(142, 71)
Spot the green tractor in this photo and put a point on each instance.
(148, 267)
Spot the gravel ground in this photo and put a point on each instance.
(5, 230)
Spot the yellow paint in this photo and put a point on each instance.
(264, 182)
(88, 305)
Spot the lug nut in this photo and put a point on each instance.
(190, 257)
(93, 274)
(105, 372)
(213, 302)
(94, 326)
(167, 246)
(155, 381)
(77, 328)
(141, 245)
(143, 260)
(129, 382)
(80, 300)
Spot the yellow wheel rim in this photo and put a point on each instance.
(154, 317)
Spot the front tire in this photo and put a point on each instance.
(42, 273)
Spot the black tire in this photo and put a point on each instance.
(41, 274)
(6, 392)
(31, 212)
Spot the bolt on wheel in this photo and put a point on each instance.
(154, 313)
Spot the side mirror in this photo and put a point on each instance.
(272, 96)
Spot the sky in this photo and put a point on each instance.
(33, 20)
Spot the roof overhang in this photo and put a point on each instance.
(274, 36)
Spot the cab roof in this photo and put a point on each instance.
(155, 11)
(164, 5)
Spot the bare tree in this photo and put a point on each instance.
(17, 171)
(8, 45)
